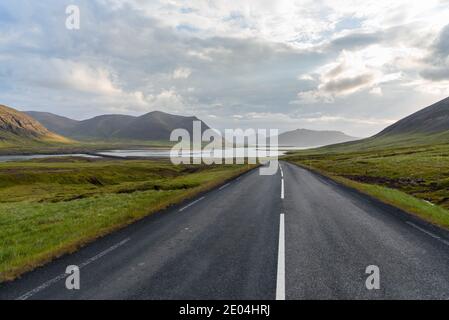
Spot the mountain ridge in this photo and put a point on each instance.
(429, 125)
(431, 119)
(312, 138)
(18, 127)
(154, 125)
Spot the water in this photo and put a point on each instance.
(41, 156)
(225, 153)
(157, 153)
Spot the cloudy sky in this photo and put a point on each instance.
(355, 66)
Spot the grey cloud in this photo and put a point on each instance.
(336, 71)
(354, 41)
(348, 84)
(437, 62)
(436, 74)
(441, 47)
(388, 36)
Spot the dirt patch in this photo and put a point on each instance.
(391, 183)
(95, 181)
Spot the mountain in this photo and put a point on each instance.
(101, 127)
(18, 128)
(427, 126)
(53, 122)
(156, 126)
(152, 126)
(312, 138)
(433, 119)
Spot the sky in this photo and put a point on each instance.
(353, 66)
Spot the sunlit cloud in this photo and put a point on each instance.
(243, 62)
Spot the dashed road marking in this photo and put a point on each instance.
(191, 204)
(280, 283)
(64, 275)
(224, 186)
(282, 189)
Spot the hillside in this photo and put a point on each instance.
(433, 119)
(19, 129)
(428, 126)
(312, 138)
(101, 127)
(155, 126)
(53, 122)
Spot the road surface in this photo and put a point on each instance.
(293, 235)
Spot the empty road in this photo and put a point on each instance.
(293, 235)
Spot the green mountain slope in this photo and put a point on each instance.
(428, 126)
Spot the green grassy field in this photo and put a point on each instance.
(53, 206)
(415, 178)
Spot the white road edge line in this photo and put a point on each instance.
(282, 189)
(225, 186)
(427, 232)
(63, 275)
(280, 284)
(191, 204)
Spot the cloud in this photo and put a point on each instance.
(182, 73)
(441, 46)
(283, 59)
(436, 63)
(350, 84)
(351, 73)
(436, 73)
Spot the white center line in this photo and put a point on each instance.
(191, 204)
(64, 275)
(282, 189)
(280, 284)
(282, 171)
(226, 185)
(427, 232)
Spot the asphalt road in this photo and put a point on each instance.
(293, 235)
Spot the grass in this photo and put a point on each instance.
(388, 142)
(54, 206)
(11, 144)
(414, 178)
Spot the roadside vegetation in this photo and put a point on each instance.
(53, 206)
(415, 179)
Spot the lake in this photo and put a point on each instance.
(146, 153)
(42, 156)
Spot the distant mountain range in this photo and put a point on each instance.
(429, 125)
(17, 128)
(153, 126)
(312, 138)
